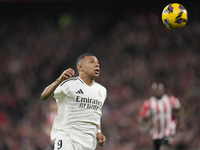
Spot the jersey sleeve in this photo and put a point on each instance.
(175, 103)
(145, 109)
(105, 93)
(61, 90)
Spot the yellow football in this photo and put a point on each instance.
(174, 16)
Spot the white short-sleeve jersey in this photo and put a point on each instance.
(79, 111)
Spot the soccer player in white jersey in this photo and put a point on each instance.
(164, 115)
(79, 100)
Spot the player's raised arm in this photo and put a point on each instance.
(49, 90)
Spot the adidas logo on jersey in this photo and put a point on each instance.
(79, 92)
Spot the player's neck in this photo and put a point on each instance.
(158, 97)
(87, 80)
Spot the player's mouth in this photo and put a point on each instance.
(97, 71)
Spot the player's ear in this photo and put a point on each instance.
(80, 68)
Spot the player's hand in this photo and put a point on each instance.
(101, 139)
(180, 127)
(66, 74)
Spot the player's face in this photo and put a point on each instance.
(158, 92)
(90, 66)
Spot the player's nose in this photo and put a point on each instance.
(97, 65)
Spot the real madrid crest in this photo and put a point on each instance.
(99, 94)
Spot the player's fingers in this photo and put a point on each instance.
(101, 143)
(65, 76)
(104, 138)
(100, 139)
(68, 73)
(71, 71)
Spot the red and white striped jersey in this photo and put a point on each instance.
(160, 112)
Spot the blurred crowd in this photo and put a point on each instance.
(134, 50)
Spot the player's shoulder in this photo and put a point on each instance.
(70, 80)
(174, 101)
(171, 97)
(147, 101)
(100, 85)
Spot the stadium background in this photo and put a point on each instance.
(38, 40)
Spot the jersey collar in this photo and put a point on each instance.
(85, 83)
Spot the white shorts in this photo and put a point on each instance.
(63, 142)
